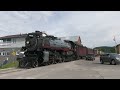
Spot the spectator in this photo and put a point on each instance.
(5, 61)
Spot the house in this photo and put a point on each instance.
(118, 48)
(12, 41)
(11, 45)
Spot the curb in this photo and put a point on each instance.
(7, 69)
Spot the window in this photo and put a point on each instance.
(4, 53)
(8, 53)
(1, 53)
(7, 40)
(14, 40)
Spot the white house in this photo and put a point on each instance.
(13, 41)
(10, 45)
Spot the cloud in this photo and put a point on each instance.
(96, 28)
(14, 22)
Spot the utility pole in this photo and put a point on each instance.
(115, 44)
(115, 49)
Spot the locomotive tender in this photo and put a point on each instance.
(45, 50)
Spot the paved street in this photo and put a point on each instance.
(80, 69)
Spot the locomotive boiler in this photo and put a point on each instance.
(43, 49)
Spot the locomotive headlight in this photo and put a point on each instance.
(27, 42)
(23, 55)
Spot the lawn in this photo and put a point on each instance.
(10, 65)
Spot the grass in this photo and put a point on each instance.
(10, 65)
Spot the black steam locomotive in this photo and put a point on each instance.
(42, 49)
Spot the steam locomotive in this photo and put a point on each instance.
(42, 49)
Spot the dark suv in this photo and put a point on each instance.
(90, 57)
(112, 58)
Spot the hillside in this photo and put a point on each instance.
(106, 49)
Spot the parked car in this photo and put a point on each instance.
(20, 55)
(90, 57)
(112, 58)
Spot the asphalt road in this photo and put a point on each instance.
(80, 69)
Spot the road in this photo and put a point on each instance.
(80, 69)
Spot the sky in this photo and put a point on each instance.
(96, 28)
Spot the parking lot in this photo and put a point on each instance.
(80, 69)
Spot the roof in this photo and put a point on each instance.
(14, 36)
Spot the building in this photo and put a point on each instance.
(118, 48)
(10, 46)
(12, 41)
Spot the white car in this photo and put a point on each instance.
(20, 55)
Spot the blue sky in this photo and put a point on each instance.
(96, 28)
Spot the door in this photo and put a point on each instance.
(107, 56)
